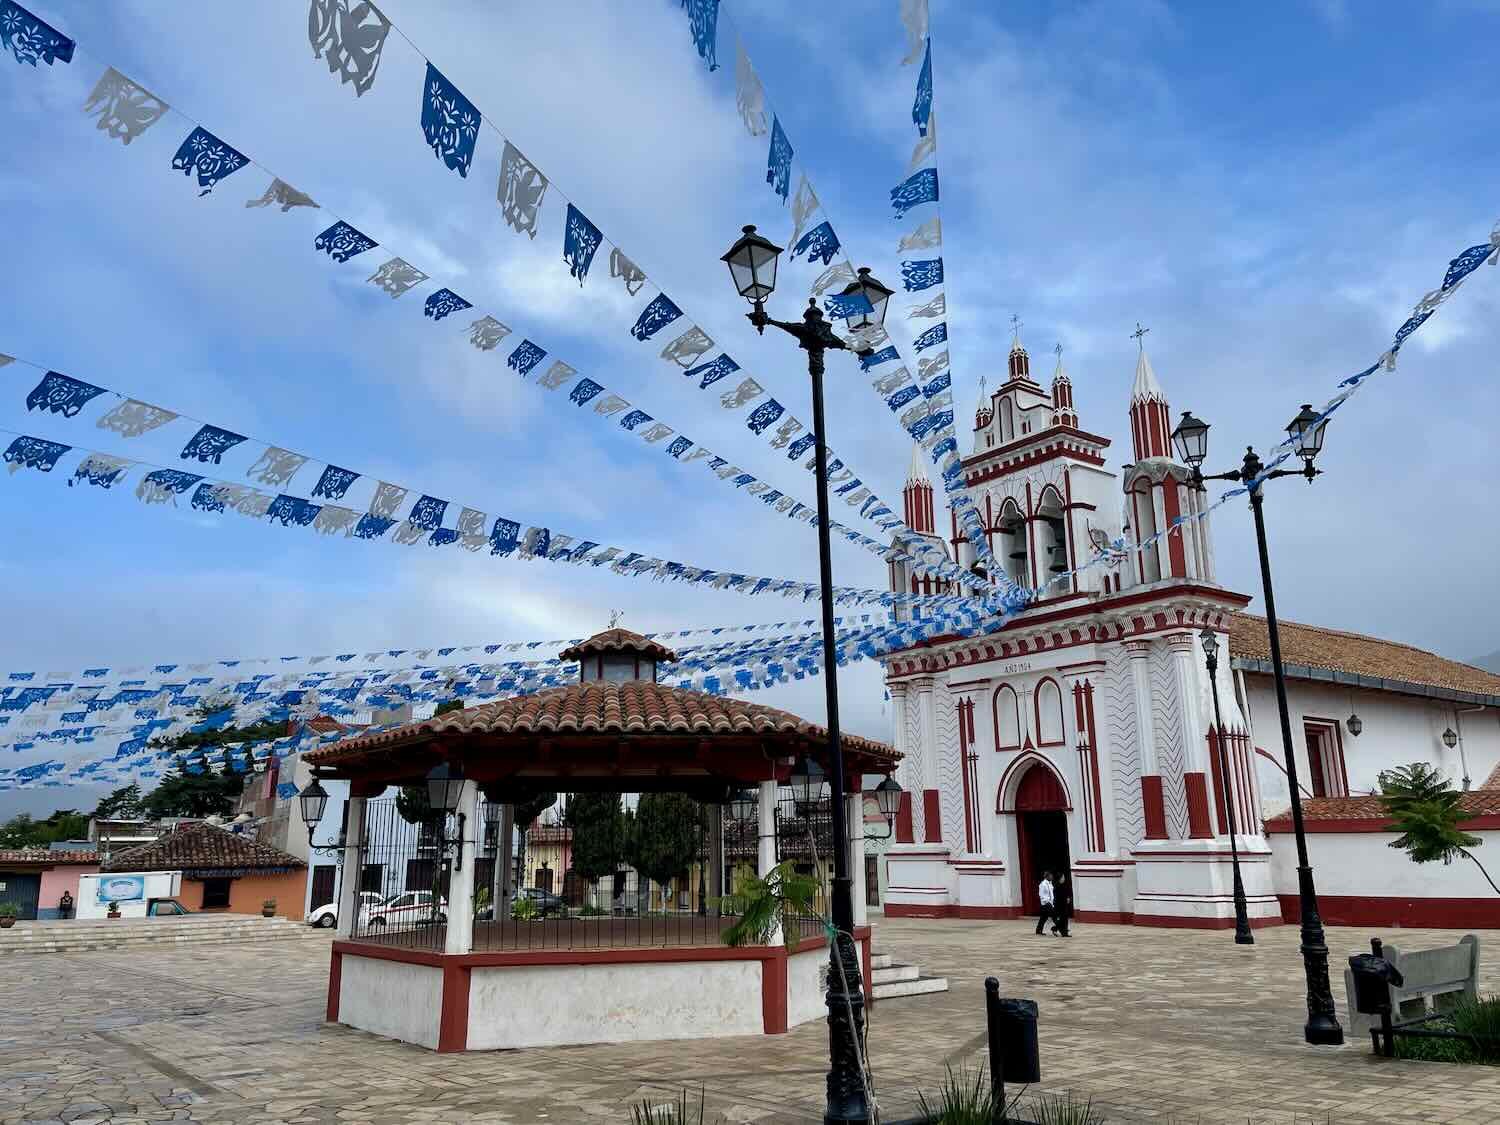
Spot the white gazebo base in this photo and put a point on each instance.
(553, 997)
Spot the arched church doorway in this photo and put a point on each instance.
(1041, 831)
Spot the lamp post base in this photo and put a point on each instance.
(1322, 1028)
(847, 1103)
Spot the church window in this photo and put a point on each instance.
(1007, 420)
(1013, 554)
(1052, 539)
(1327, 775)
(1143, 517)
(1049, 713)
(1007, 718)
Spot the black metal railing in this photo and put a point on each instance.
(409, 865)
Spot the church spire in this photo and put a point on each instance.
(984, 409)
(1150, 424)
(1063, 413)
(1019, 366)
(917, 496)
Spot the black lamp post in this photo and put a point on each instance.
(1307, 429)
(445, 784)
(752, 266)
(1242, 934)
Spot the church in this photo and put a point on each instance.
(1080, 736)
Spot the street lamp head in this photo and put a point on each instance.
(1307, 430)
(752, 265)
(1355, 724)
(1190, 439)
(445, 782)
(1210, 641)
(808, 782)
(743, 804)
(1450, 740)
(491, 816)
(888, 797)
(875, 293)
(314, 800)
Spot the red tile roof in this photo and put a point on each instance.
(1477, 802)
(598, 707)
(201, 847)
(1335, 650)
(46, 856)
(618, 640)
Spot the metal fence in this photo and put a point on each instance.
(408, 864)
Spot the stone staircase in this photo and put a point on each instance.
(892, 978)
(117, 934)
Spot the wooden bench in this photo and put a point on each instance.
(1436, 980)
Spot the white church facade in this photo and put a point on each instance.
(1080, 736)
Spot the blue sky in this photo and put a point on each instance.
(1269, 192)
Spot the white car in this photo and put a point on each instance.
(326, 916)
(411, 907)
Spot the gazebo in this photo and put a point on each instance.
(426, 972)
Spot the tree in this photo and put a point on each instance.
(445, 708)
(665, 835)
(210, 793)
(598, 825)
(124, 803)
(524, 813)
(25, 831)
(1424, 808)
(412, 805)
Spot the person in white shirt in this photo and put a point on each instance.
(1044, 892)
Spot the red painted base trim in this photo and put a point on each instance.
(1179, 922)
(905, 833)
(989, 912)
(1195, 787)
(1153, 807)
(335, 978)
(773, 994)
(914, 910)
(1105, 917)
(1283, 824)
(453, 1019)
(1438, 913)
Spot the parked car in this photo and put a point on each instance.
(546, 904)
(165, 908)
(327, 916)
(545, 901)
(410, 907)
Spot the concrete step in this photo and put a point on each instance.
(66, 936)
(916, 987)
(890, 974)
(880, 960)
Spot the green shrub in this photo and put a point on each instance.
(1062, 1109)
(963, 1099)
(1480, 1018)
(524, 910)
(672, 1113)
(9, 910)
(589, 910)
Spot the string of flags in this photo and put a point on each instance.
(351, 39)
(275, 466)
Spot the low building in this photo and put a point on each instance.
(35, 879)
(222, 871)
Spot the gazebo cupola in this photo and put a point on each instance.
(617, 656)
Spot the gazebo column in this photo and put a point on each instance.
(460, 937)
(716, 855)
(505, 859)
(353, 867)
(765, 858)
(854, 818)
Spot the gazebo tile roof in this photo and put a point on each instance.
(618, 640)
(604, 708)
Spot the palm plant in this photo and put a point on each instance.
(781, 896)
(1424, 808)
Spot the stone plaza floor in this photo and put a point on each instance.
(1154, 1025)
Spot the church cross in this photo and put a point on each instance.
(1139, 334)
(614, 617)
(1057, 350)
(1015, 328)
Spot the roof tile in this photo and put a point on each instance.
(201, 847)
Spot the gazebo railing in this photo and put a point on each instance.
(405, 863)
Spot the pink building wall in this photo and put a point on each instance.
(56, 880)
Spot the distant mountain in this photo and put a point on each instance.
(1490, 663)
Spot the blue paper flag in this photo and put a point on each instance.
(655, 316)
(505, 537)
(342, 242)
(764, 415)
(820, 243)
(30, 38)
(371, 526)
(61, 394)
(921, 109)
(633, 419)
(334, 482)
(712, 371)
(210, 444)
(874, 359)
(292, 511)
(209, 157)
(843, 305)
(427, 513)
(937, 334)
(34, 453)
(584, 390)
(779, 161)
(443, 303)
(449, 122)
(801, 446)
(703, 25)
(917, 189)
(526, 356)
(581, 239)
(922, 274)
